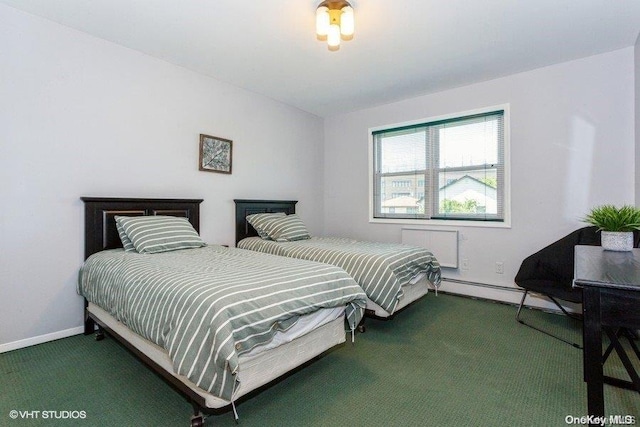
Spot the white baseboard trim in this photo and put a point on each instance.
(15, 345)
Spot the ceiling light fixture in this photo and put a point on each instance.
(334, 21)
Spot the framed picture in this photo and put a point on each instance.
(215, 154)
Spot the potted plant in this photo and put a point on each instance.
(616, 224)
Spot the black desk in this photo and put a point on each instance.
(611, 301)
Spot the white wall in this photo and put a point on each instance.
(572, 147)
(80, 116)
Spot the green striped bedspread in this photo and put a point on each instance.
(380, 268)
(206, 306)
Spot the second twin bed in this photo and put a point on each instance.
(392, 275)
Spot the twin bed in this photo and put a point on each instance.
(392, 275)
(217, 322)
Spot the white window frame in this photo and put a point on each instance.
(506, 223)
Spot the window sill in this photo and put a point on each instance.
(442, 222)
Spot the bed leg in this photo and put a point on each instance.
(197, 420)
(89, 324)
(99, 334)
(361, 327)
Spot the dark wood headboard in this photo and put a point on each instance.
(100, 226)
(246, 207)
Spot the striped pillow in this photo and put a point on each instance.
(126, 241)
(287, 228)
(261, 222)
(154, 234)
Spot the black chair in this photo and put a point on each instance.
(550, 272)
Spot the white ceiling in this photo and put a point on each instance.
(401, 49)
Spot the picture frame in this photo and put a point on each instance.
(215, 154)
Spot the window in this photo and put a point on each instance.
(449, 169)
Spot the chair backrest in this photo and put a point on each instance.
(556, 261)
(558, 257)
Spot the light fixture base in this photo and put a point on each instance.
(334, 4)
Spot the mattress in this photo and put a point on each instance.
(258, 367)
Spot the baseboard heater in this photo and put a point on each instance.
(496, 287)
(483, 285)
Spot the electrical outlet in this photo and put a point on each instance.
(500, 267)
(465, 264)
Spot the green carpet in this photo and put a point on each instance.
(444, 361)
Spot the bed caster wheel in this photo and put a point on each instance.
(361, 328)
(197, 421)
(99, 336)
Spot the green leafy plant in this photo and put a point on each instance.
(611, 218)
(454, 206)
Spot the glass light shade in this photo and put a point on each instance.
(347, 23)
(322, 21)
(333, 37)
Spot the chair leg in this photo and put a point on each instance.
(541, 330)
(571, 315)
(520, 306)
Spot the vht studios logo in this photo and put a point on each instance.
(58, 415)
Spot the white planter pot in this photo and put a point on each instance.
(620, 241)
